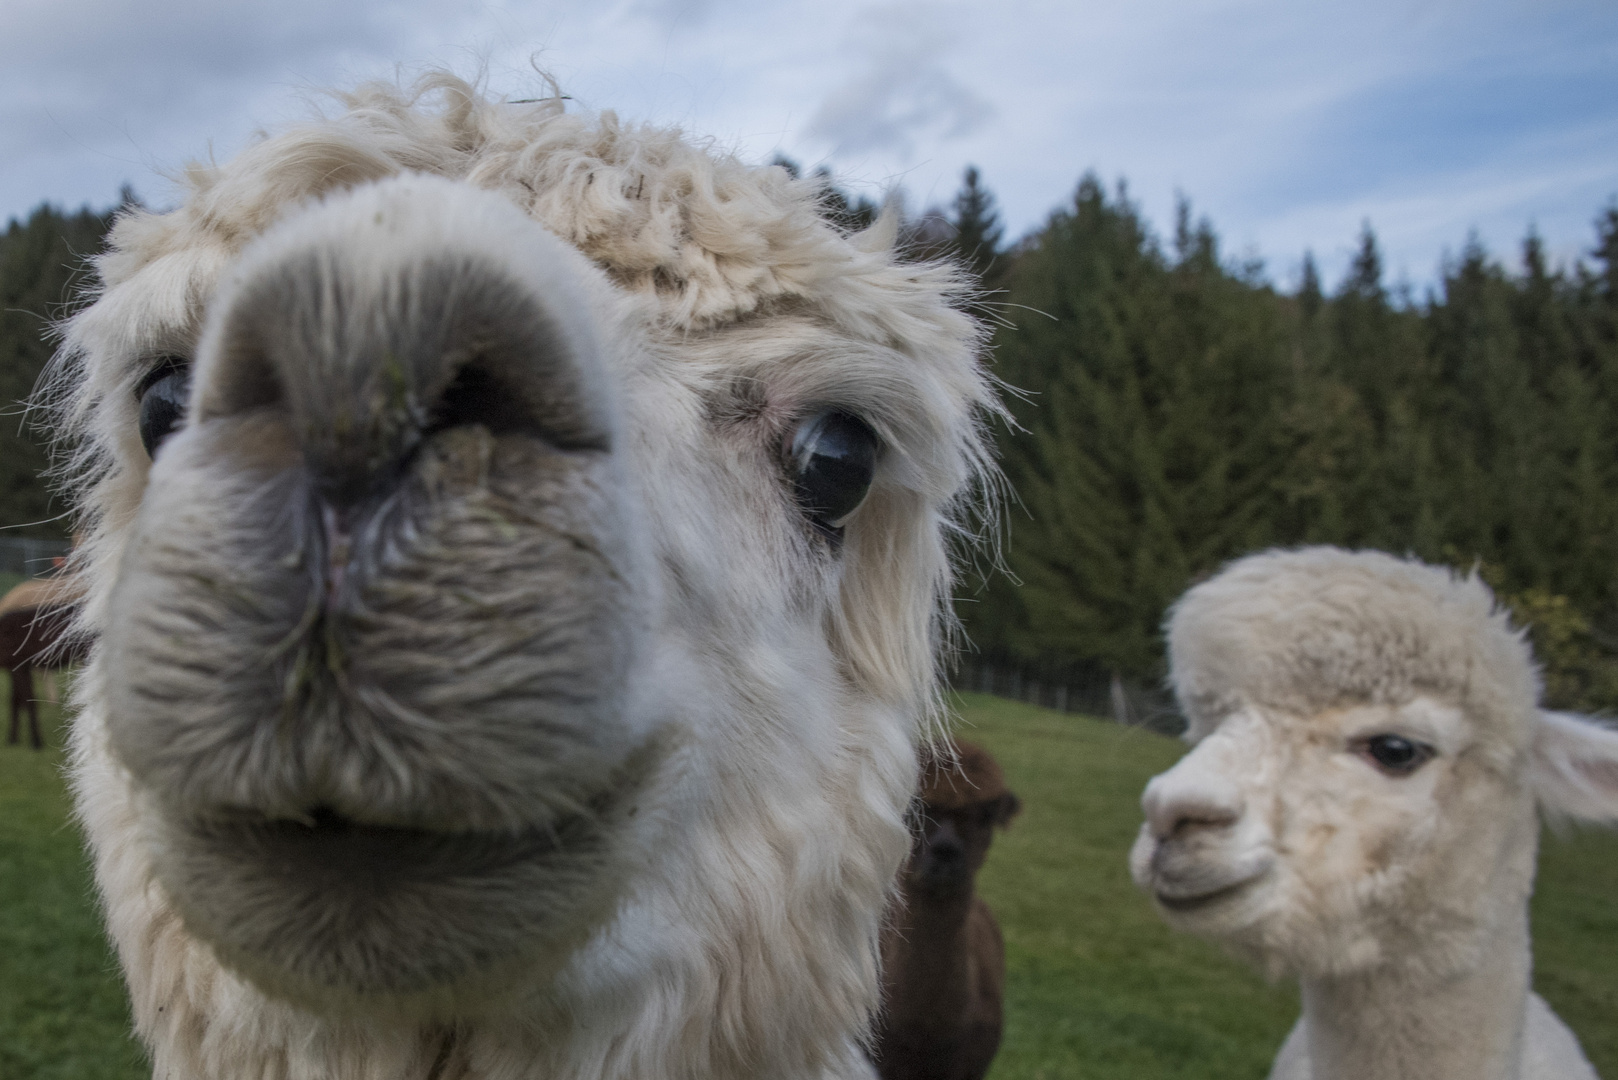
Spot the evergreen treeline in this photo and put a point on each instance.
(1174, 410)
(41, 261)
(1177, 411)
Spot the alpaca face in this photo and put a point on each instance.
(459, 592)
(951, 843)
(1337, 842)
(517, 546)
(964, 798)
(381, 620)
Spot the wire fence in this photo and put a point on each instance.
(1092, 693)
(30, 556)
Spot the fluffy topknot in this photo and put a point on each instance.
(960, 774)
(711, 236)
(1319, 628)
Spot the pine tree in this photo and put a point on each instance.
(1195, 245)
(41, 260)
(851, 214)
(1491, 419)
(1309, 295)
(978, 231)
(1146, 456)
(1606, 252)
(1365, 273)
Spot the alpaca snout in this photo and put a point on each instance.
(378, 633)
(1187, 798)
(942, 863)
(1201, 843)
(390, 566)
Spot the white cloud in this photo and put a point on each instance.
(902, 90)
(1286, 123)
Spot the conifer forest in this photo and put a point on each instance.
(1170, 408)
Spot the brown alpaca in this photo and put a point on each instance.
(943, 960)
(33, 618)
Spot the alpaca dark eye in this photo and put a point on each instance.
(832, 458)
(162, 395)
(1396, 754)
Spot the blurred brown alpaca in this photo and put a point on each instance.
(943, 960)
(34, 618)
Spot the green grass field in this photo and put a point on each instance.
(1097, 988)
(62, 1009)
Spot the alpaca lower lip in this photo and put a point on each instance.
(356, 855)
(337, 905)
(1202, 900)
(329, 909)
(331, 906)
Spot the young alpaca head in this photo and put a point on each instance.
(963, 799)
(518, 544)
(1368, 755)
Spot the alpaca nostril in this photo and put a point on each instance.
(477, 396)
(480, 395)
(1202, 818)
(1177, 805)
(944, 865)
(326, 819)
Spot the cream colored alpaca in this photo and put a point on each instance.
(1361, 811)
(512, 663)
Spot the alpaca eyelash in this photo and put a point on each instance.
(163, 367)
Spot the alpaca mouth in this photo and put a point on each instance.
(1200, 901)
(330, 910)
(333, 852)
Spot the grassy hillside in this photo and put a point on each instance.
(1098, 987)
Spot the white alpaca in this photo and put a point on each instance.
(511, 664)
(1359, 811)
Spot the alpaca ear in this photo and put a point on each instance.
(1010, 807)
(1574, 769)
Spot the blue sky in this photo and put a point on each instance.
(1287, 123)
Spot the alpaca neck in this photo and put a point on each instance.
(931, 951)
(1408, 1026)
